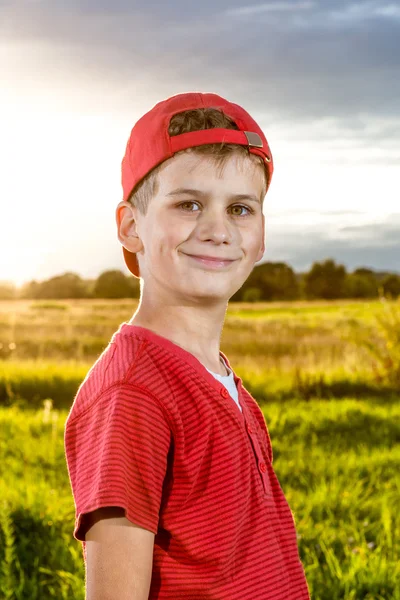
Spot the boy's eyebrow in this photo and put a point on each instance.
(193, 192)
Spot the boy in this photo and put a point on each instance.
(169, 456)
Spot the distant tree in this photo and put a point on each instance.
(8, 290)
(364, 271)
(252, 294)
(325, 280)
(114, 284)
(391, 286)
(30, 289)
(89, 287)
(381, 275)
(301, 281)
(268, 281)
(274, 280)
(361, 285)
(68, 285)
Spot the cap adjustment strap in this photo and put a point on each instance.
(217, 136)
(253, 139)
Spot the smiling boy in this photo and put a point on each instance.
(169, 456)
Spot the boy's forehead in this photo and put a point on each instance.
(185, 169)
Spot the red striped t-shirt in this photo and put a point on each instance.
(152, 431)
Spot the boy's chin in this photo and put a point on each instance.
(213, 293)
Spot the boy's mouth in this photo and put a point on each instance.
(212, 261)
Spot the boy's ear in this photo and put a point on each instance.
(262, 247)
(125, 215)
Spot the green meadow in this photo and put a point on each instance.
(327, 377)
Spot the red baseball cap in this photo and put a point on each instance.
(150, 144)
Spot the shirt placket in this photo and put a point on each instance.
(261, 460)
(251, 429)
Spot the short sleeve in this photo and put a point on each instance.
(117, 452)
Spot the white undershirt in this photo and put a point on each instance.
(229, 382)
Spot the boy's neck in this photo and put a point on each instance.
(196, 330)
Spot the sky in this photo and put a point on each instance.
(322, 78)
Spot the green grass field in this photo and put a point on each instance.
(331, 406)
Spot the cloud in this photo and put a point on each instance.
(376, 246)
(390, 10)
(316, 213)
(299, 63)
(267, 7)
(383, 234)
(356, 11)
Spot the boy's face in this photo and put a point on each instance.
(199, 212)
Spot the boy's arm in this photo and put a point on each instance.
(119, 556)
(117, 448)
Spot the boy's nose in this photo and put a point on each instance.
(215, 226)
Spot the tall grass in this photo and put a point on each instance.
(327, 378)
(282, 351)
(337, 463)
(381, 339)
(38, 557)
(28, 383)
(310, 333)
(10, 584)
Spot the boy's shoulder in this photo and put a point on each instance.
(138, 359)
(113, 367)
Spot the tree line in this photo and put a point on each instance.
(267, 282)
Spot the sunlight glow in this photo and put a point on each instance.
(61, 183)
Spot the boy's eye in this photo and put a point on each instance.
(187, 204)
(237, 209)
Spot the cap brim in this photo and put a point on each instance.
(131, 262)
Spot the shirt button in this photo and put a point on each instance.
(249, 429)
(224, 393)
(262, 467)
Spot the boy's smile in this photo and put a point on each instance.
(204, 229)
(212, 262)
